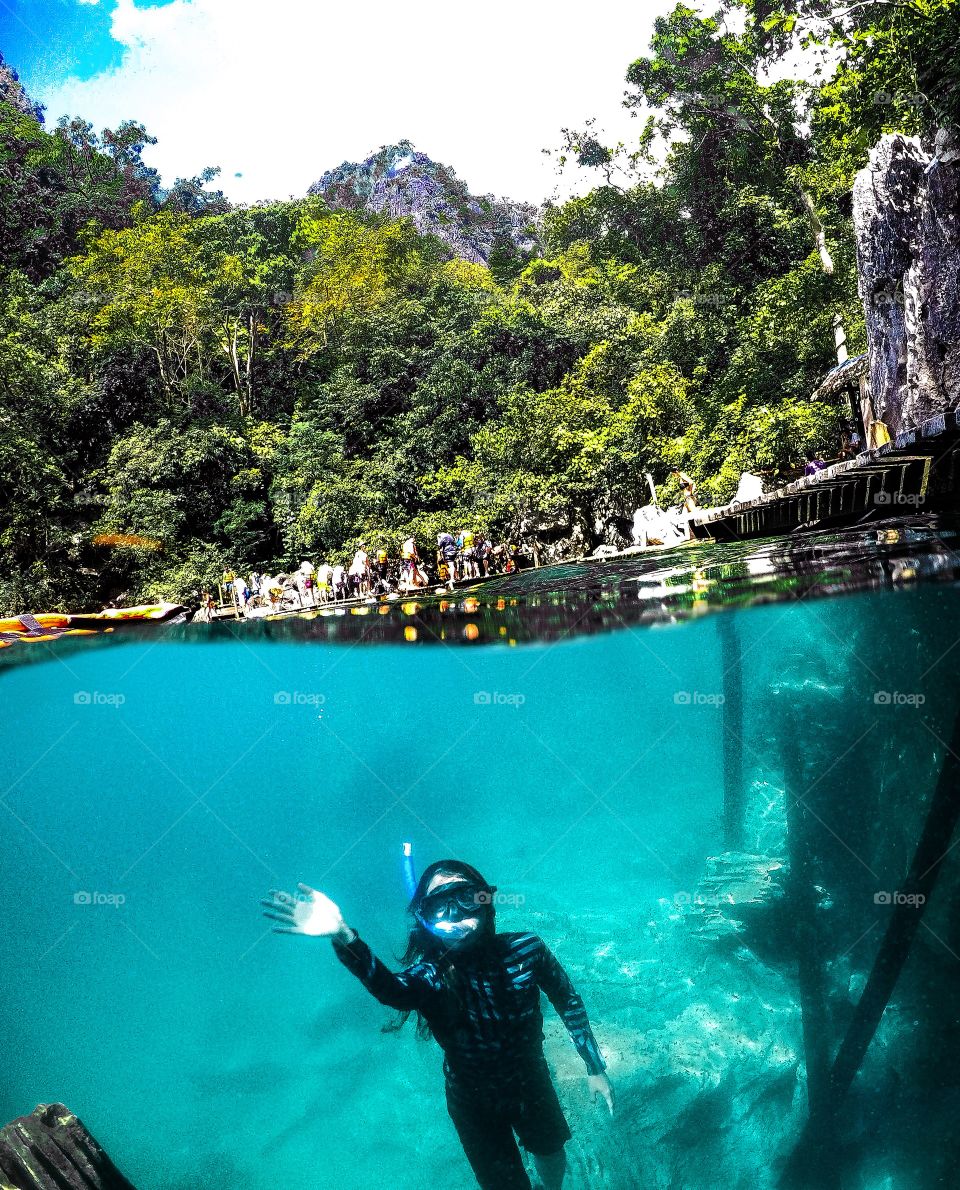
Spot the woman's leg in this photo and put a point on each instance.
(542, 1128)
(551, 1169)
(489, 1145)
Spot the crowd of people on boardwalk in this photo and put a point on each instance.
(470, 555)
(370, 575)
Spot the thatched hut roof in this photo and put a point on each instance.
(847, 373)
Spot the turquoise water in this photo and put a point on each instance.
(156, 789)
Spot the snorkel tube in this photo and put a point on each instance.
(409, 871)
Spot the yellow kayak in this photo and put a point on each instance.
(52, 625)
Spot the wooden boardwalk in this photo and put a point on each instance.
(917, 473)
(229, 611)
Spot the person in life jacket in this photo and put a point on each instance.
(484, 554)
(338, 582)
(468, 551)
(508, 557)
(359, 572)
(241, 593)
(324, 572)
(410, 568)
(477, 993)
(379, 571)
(446, 557)
(304, 580)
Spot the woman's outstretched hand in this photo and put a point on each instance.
(305, 912)
(599, 1085)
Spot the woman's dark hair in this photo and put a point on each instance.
(422, 946)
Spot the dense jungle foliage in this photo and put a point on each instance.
(189, 386)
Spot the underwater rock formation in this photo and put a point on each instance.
(906, 213)
(400, 182)
(737, 891)
(702, 1040)
(51, 1150)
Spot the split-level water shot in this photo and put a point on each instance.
(479, 672)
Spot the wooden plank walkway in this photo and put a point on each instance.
(228, 611)
(916, 473)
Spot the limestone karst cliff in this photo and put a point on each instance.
(906, 216)
(399, 181)
(12, 92)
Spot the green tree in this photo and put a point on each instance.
(354, 265)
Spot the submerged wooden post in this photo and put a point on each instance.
(51, 1150)
(809, 952)
(731, 663)
(905, 918)
(916, 889)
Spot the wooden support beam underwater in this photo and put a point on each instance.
(916, 889)
(731, 665)
(821, 1172)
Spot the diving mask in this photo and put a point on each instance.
(454, 902)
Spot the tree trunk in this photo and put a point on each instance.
(230, 333)
(250, 354)
(819, 237)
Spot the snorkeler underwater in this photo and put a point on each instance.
(479, 637)
(668, 876)
(478, 993)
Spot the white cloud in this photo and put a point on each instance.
(277, 92)
(88, 1)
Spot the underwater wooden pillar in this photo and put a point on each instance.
(905, 919)
(731, 665)
(52, 1150)
(809, 951)
(916, 890)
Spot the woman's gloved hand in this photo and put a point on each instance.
(600, 1085)
(307, 911)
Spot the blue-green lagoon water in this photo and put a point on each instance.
(627, 786)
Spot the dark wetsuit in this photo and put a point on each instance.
(497, 1080)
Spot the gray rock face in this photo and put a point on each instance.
(735, 889)
(906, 212)
(12, 92)
(397, 181)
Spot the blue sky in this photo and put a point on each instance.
(51, 40)
(277, 91)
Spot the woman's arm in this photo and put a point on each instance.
(312, 913)
(561, 993)
(409, 989)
